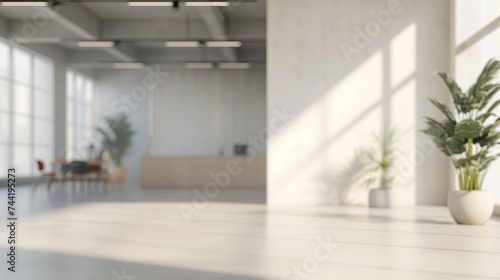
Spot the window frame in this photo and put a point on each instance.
(73, 151)
(457, 48)
(33, 115)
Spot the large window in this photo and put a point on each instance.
(26, 109)
(80, 115)
(477, 39)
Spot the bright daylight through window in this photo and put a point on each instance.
(80, 115)
(26, 109)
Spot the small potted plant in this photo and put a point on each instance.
(378, 165)
(467, 135)
(116, 138)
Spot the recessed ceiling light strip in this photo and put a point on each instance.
(128, 65)
(207, 4)
(96, 44)
(150, 4)
(223, 44)
(199, 65)
(24, 4)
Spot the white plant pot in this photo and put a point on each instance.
(117, 173)
(382, 198)
(471, 207)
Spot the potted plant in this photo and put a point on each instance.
(467, 135)
(378, 165)
(116, 138)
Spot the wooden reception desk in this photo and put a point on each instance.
(197, 171)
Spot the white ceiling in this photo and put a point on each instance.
(240, 10)
(253, 10)
(138, 36)
(122, 11)
(18, 12)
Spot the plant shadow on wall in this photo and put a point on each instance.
(467, 136)
(116, 140)
(372, 168)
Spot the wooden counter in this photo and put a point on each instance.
(197, 171)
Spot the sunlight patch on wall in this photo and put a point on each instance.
(404, 118)
(297, 153)
(403, 55)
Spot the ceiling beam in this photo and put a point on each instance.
(214, 21)
(162, 64)
(175, 29)
(70, 21)
(77, 19)
(86, 25)
(153, 29)
(125, 53)
(144, 30)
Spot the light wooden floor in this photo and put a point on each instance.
(151, 240)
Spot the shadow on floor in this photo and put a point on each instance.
(54, 266)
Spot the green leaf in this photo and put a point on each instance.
(468, 129)
(487, 161)
(436, 129)
(482, 118)
(443, 108)
(473, 160)
(488, 74)
(455, 90)
(447, 128)
(488, 140)
(456, 145)
(492, 107)
(492, 89)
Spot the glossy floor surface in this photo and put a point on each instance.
(131, 234)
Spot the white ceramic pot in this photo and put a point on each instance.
(471, 207)
(382, 198)
(117, 173)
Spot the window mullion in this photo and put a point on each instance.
(32, 87)
(11, 111)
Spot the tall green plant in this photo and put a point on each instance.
(378, 162)
(117, 136)
(468, 132)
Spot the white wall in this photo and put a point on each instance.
(198, 112)
(195, 111)
(339, 88)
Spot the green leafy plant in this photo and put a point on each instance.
(117, 136)
(379, 162)
(468, 132)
